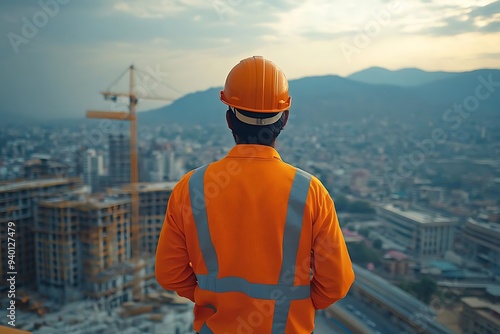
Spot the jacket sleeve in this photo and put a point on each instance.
(173, 270)
(331, 265)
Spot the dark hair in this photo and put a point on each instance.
(255, 134)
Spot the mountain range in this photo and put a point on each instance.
(375, 93)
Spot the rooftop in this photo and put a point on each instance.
(493, 227)
(29, 184)
(146, 187)
(156, 186)
(395, 255)
(94, 202)
(484, 308)
(442, 265)
(420, 217)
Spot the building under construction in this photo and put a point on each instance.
(18, 201)
(82, 249)
(83, 245)
(153, 198)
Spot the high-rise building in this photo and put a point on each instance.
(92, 170)
(423, 234)
(169, 165)
(153, 198)
(18, 205)
(83, 248)
(163, 166)
(482, 243)
(119, 159)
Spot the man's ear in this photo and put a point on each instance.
(228, 120)
(286, 117)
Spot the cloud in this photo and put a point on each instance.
(158, 8)
(492, 55)
(480, 19)
(489, 10)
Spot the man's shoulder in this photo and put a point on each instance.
(315, 183)
(184, 181)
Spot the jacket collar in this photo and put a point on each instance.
(253, 151)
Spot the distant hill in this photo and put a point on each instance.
(408, 77)
(333, 98)
(196, 108)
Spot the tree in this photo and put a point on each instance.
(341, 203)
(377, 244)
(365, 231)
(361, 254)
(423, 289)
(360, 207)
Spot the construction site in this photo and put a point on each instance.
(83, 278)
(88, 258)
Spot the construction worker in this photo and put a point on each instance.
(253, 241)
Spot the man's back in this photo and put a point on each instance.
(250, 224)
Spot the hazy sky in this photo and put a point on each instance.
(56, 55)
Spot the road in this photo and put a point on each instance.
(328, 326)
(368, 315)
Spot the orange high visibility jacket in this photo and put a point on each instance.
(240, 238)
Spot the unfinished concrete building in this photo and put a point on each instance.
(83, 248)
(17, 204)
(153, 198)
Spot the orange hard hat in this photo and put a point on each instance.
(256, 84)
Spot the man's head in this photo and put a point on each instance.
(256, 91)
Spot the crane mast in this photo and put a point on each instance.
(131, 117)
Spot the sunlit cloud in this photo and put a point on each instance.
(158, 8)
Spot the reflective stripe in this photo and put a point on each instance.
(283, 292)
(254, 290)
(205, 329)
(291, 238)
(197, 196)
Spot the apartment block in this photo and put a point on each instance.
(92, 170)
(423, 234)
(482, 240)
(119, 159)
(18, 201)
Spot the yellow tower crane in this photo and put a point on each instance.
(134, 169)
